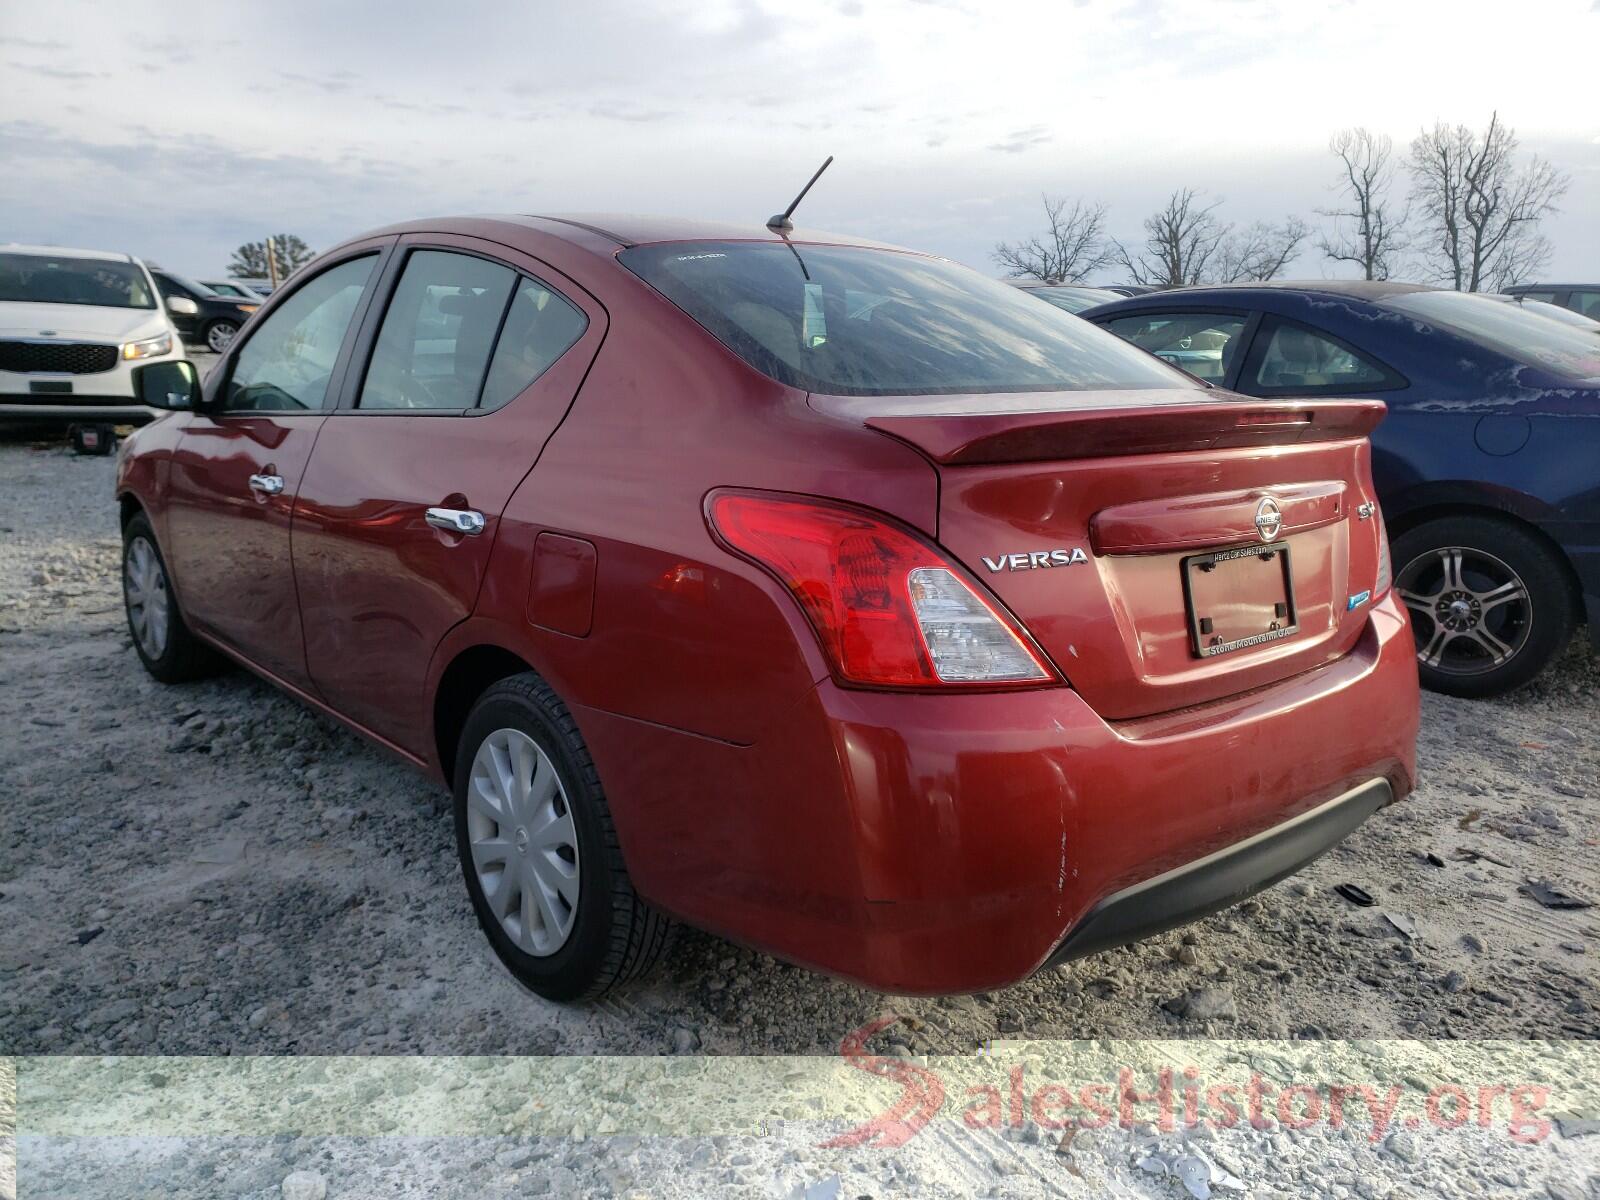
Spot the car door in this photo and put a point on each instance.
(471, 362)
(235, 471)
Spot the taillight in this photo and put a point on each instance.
(1385, 568)
(889, 609)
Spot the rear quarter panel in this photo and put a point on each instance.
(684, 634)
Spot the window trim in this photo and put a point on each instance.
(1256, 352)
(1247, 332)
(215, 387)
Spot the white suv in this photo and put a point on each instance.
(73, 325)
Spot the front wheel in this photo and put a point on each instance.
(1490, 604)
(220, 335)
(539, 852)
(160, 636)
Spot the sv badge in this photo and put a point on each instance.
(1036, 559)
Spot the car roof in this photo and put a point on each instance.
(1033, 285)
(64, 252)
(1361, 289)
(1551, 287)
(637, 229)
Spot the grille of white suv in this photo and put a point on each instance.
(69, 358)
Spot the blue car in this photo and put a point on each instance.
(1488, 464)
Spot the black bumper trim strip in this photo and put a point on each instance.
(1218, 880)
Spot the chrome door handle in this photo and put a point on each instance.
(457, 520)
(267, 485)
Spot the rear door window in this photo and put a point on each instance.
(433, 348)
(1203, 344)
(1298, 361)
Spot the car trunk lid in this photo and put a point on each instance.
(1164, 548)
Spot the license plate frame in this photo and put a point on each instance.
(1208, 644)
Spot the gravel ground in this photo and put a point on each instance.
(213, 869)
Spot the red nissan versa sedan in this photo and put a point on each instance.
(825, 595)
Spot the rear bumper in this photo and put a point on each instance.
(1218, 880)
(927, 844)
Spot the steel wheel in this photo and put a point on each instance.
(1470, 612)
(220, 334)
(149, 606)
(523, 840)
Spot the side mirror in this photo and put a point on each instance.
(173, 385)
(183, 306)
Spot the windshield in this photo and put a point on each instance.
(853, 321)
(46, 279)
(1509, 329)
(183, 281)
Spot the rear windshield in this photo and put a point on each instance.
(853, 321)
(1071, 299)
(45, 279)
(1510, 329)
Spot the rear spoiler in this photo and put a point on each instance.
(973, 437)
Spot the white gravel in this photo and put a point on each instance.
(212, 869)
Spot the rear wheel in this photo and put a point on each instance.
(164, 644)
(539, 851)
(1489, 603)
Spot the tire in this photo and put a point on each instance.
(610, 934)
(1490, 603)
(161, 638)
(219, 335)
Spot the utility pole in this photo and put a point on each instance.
(272, 262)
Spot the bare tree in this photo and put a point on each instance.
(1377, 236)
(1481, 210)
(1072, 246)
(1180, 242)
(1258, 253)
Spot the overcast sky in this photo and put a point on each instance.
(177, 137)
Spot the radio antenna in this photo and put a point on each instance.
(781, 223)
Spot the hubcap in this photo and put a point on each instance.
(145, 586)
(524, 843)
(1470, 612)
(219, 336)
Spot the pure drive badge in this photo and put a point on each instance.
(1035, 559)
